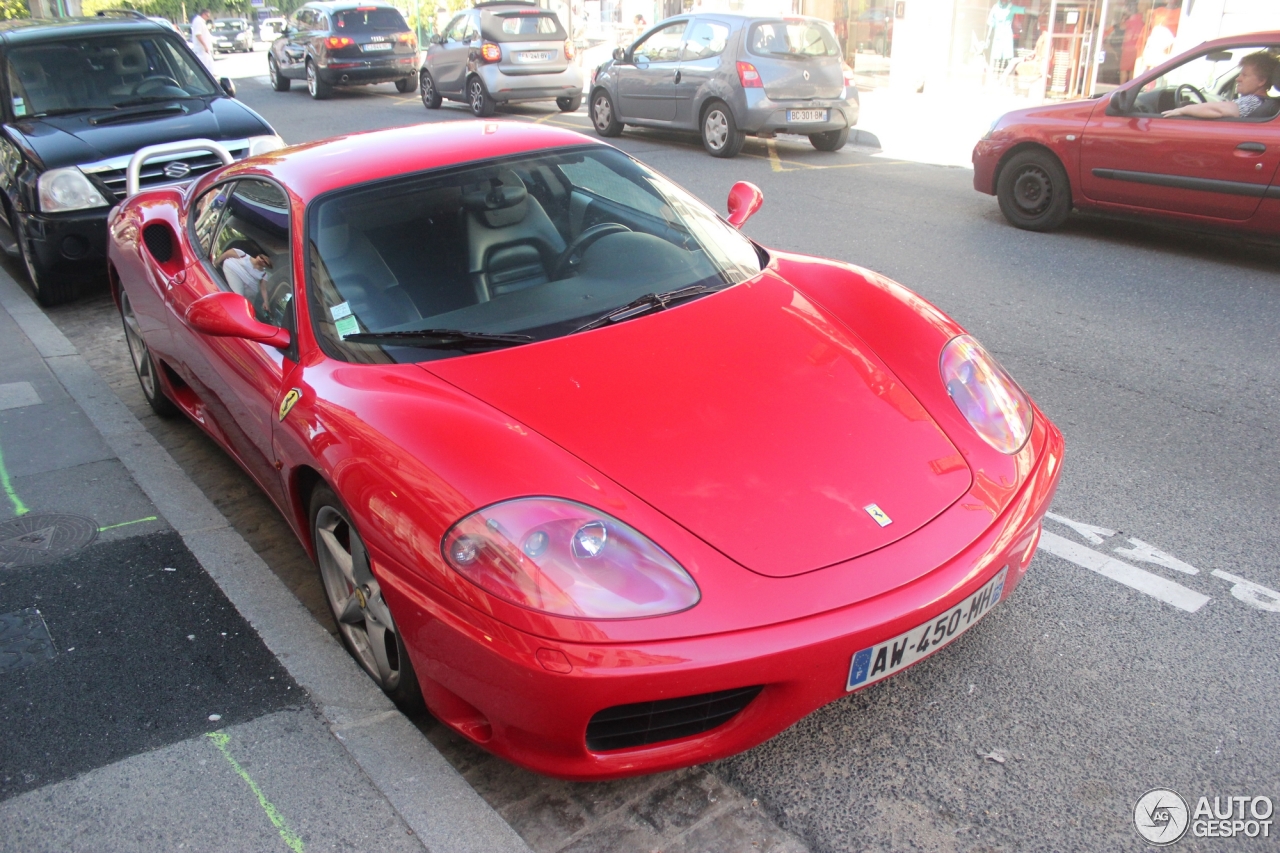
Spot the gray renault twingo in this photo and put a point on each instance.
(727, 76)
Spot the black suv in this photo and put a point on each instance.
(83, 95)
(344, 43)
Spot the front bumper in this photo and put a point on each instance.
(360, 71)
(986, 158)
(485, 679)
(71, 243)
(504, 88)
(764, 115)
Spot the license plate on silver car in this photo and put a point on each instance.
(881, 661)
(535, 55)
(806, 115)
(372, 47)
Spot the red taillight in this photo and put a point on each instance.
(848, 75)
(748, 76)
(336, 42)
(490, 52)
(568, 49)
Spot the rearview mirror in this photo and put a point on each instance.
(1218, 56)
(744, 200)
(229, 315)
(228, 86)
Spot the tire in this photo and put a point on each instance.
(478, 98)
(405, 85)
(430, 94)
(1033, 191)
(355, 598)
(143, 364)
(50, 291)
(279, 82)
(720, 134)
(570, 104)
(603, 116)
(831, 140)
(317, 88)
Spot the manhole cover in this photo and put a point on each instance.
(35, 539)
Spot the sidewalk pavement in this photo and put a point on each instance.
(159, 686)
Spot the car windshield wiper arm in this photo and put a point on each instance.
(63, 112)
(645, 304)
(438, 338)
(148, 99)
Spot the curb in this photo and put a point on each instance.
(442, 809)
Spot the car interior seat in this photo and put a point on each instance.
(358, 272)
(511, 242)
(129, 65)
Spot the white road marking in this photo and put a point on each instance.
(1255, 595)
(1131, 576)
(1088, 531)
(1150, 554)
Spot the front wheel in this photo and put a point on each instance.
(720, 134)
(316, 88)
(603, 115)
(1034, 192)
(143, 364)
(406, 85)
(569, 104)
(279, 82)
(355, 597)
(430, 95)
(49, 290)
(478, 97)
(831, 140)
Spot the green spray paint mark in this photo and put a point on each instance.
(127, 523)
(19, 508)
(290, 837)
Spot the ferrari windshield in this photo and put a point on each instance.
(530, 248)
(101, 73)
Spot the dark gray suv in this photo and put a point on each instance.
(727, 76)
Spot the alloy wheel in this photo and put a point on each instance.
(715, 129)
(477, 97)
(138, 348)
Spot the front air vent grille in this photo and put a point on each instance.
(625, 726)
(159, 240)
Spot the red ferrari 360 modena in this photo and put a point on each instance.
(610, 486)
(1119, 154)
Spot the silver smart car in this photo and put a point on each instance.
(727, 76)
(499, 52)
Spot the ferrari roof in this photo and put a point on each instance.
(341, 161)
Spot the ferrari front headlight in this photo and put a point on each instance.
(566, 559)
(986, 395)
(66, 189)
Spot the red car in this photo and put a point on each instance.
(1118, 154)
(613, 488)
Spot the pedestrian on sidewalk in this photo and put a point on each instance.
(202, 38)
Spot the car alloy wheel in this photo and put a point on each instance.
(481, 104)
(430, 97)
(279, 82)
(355, 597)
(316, 87)
(143, 364)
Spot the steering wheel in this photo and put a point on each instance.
(149, 82)
(581, 242)
(1182, 100)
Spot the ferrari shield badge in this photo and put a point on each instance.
(876, 513)
(289, 400)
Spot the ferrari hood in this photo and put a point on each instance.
(752, 417)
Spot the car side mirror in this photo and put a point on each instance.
(1119, 103)
(228, 86)
(619, 54)
(437, 39)
(229, 315)
(744, 200)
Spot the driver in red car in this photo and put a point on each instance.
(1256, 72)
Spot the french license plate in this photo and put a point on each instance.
(877, 662)
(368, 48)
(806, 115)
(536, 55)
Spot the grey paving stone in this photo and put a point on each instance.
(15, 395)
(103, 491)
(47, 437)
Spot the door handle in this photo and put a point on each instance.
(1257, 147)
(176, 280)
(677, 76)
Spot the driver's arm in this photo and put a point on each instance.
(1213, 109)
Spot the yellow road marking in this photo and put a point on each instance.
(291, 839)
(773, 155)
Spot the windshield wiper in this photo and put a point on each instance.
(64, 112)
(148, 99)
(645, 304)
(438, 338)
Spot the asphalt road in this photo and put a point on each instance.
(1156, 353)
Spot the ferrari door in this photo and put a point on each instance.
(647, 86)
(1207, 167)
(242, 233)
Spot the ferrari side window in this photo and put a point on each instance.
(251, 250)
(207, 212)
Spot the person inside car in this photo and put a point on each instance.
(1256, 72)
(246, 266)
